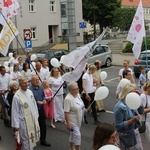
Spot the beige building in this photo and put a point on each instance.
(48, 21)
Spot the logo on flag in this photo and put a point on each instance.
(9, 8)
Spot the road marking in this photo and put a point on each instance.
(113, 79)
(110, 112)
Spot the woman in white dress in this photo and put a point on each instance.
(26, 72)
(73, 108)
(45, 69)
(15, 74)
(55, 82)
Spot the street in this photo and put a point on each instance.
(59, 137)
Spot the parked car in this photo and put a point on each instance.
(102, 53)
(52, 53)
(144, 60)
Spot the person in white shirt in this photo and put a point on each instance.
(4, 82)
(55, 82)
(73, 109)
(45, 69)
(88, 92)
(126, 75)
(15, 74)
(13, 59)
(126, 67)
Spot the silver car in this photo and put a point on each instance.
(102, 53)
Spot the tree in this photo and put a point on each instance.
(100, 12)
(123, 18)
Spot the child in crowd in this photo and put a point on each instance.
(49, 106)
(142, 77)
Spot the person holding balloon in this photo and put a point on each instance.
(145, 97)
(96, 74)
(88, 92)
(126, 118)
(104, 134)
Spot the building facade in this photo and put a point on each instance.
(45, 19)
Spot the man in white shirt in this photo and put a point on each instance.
(13, 60)
(4, 82)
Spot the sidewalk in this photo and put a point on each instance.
(117, 59)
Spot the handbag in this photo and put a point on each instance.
(127, 140)
(142, 125)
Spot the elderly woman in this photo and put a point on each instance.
(145, 97)
(73, 108)
(126, 121)
(104, 134)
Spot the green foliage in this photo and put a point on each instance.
(123, 18)
(129, 45)
(100, 11)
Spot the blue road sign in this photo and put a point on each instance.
(82, 24)
(28, 44)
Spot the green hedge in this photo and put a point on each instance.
(129, 45)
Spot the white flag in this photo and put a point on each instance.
(9, 8)
(7, 36)
(137, 31)
(76, 73)
(73, 58)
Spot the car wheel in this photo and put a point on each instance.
(137, 75)
(108, 62)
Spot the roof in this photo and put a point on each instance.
(135, 3)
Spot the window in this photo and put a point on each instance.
(34, 32)
(63, 10)
(52, 6)
(32, 5)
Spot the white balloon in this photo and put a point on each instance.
(62, 60)
(54, 62)
(109, 147)
(7, 68)
(123, 82)
(148, 75)
(33, 57)
(32, 67)
(103, 75)
(133, 100)
(101, 93)
(10, 55)
(6, 63)
(11, 69)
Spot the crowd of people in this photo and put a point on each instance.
(30, 93)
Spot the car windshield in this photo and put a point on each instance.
(143, 56)
(40, 55)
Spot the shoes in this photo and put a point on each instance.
(97, 122)
(45, 144)
(103, 110)
(53, 126)
(85, 120)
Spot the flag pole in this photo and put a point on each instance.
(145, 41)
(19, 44)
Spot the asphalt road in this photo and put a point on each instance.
(59, 137)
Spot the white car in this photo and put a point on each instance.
(102, 53)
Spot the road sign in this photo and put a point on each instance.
(82, 24)
(27, 34)
(28, 44)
